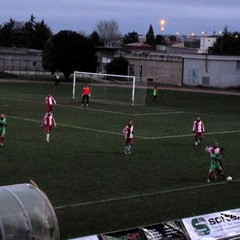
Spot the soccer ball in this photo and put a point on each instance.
(229, 179)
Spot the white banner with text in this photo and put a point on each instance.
(213, 226)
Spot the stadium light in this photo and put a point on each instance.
(162, 25)
(162, 28)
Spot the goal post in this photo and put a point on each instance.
(109, 88)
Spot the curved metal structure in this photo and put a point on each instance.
(26, 214)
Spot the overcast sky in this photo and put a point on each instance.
(183, 16)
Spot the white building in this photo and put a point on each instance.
(206, 42)
(211, 70)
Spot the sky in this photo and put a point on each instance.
(180, 16)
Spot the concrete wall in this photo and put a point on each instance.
(20, 59)
(213, 71)
(156, 67)
(186, 69)
(158, 71)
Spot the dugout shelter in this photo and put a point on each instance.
(26, 213)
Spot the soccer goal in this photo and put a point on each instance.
(109, 88)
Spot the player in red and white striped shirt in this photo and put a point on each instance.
(198, 129)
(49, 100)
(47, 123)
(128, 132)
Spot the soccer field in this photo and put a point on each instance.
(93, 186)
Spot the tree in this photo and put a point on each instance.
(150, 38)
(108, 32)
(131, 37)
(35, 34)
(10, 33)
(30, 34)
(118, 66)
(160, 40)
(95, 38)
(41, 34)
(68, 51)
(49, 56)
(172, 38)
(227, 43)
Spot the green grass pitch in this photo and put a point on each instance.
(93, 186)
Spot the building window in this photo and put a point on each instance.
(205, 81)
(131, 70)
(140, 69)
(238, 65)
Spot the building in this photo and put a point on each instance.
(211, 71)
(177, 69)
(16, 60)
(206, 42)
(156, 67)
(105, 55)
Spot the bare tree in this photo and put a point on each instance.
(108, 32)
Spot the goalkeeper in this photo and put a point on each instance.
(3, 127)
(86, 91)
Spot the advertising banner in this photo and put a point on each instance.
(93, 237)
(213, 226)
(172, 230)
(131, 234)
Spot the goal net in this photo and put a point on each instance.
(109, 88)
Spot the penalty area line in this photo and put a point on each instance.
(69, 126)
(156, 113)
(190, 135)
(141, 195)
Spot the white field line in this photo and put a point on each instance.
(120, 134)
(100, 110)
(124, 113)
(157, 113)
(68, 126)
(115, 112)
(132, 114)
(188, 135)
(142, 195)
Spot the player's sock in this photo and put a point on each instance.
(210, 174)
(129, 149)
(47, 137)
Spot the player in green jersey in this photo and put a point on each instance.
(3, 127)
